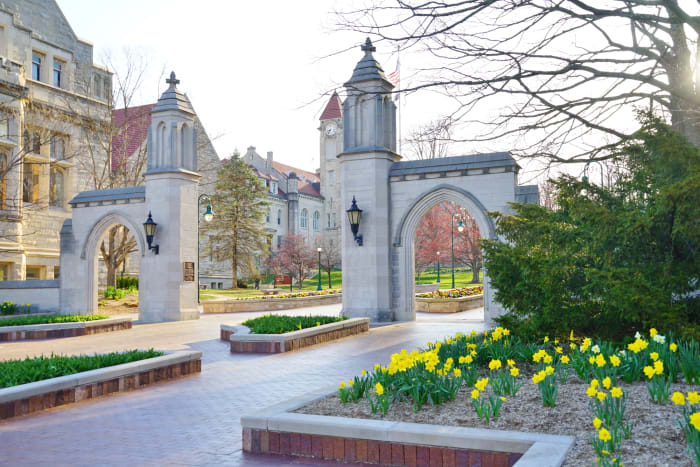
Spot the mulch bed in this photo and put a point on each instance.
(657, 440)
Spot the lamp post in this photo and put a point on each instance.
(208, 216)
(438, 278)
(354, 216)
(460, 227)
(319, 269)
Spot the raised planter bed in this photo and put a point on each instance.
(269, 304)
(24, 399)
(23, 315)
(277, 430)
(56, 330)
(449, 305)
(244, 342)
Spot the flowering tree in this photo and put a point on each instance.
(295, 257)
(432, 236)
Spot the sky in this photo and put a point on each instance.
(257, 73)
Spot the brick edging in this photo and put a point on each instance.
(354, 450)
(111, 384)
(270, 343)
(7, 334)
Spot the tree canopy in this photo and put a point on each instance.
(559, 71)
(608, 260)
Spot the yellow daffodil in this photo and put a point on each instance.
(604, 435)
(591, 392)
(693, 398)
(658, 367)
(351, 382)
(342, 384)
(565, 359)
(649, 372)
(594, 383)
(503, 398)
(547, 359)
(481, 384)
(600, 360)
(379, 388)
(654, 356)
(591, 360)
(607, 382)
(546, 339)
(514, 372)
(597, 423)
(615, 360)
(558, 350)
(601, 396)
(457, 372)
(673, 347)
(363, 372)
(695, 420)
(539, 377)
(549, 371)
(678, 398)
(494, 365)
(616, 392)
(511, 363)
(475, 394)
(653, 332)
(377, 367)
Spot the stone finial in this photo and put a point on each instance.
(172, 81)
(368, 48)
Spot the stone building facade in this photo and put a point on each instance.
(54, 105)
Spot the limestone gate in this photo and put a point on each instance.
(378, 279)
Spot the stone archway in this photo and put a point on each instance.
(89, 251)
(403, 251)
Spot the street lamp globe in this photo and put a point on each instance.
(319, 249)
(208, 214)
(460, 226)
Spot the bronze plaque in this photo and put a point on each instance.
(189, 271)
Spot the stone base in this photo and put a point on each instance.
(448, 305)
(375, 316)
(162, 316)
(58, 330)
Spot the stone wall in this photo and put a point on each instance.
(271, 304)
(449, 305)
(42, 295)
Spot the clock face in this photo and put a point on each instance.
(330, 130)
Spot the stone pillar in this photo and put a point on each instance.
(368, 153)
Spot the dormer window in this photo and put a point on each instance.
(273, 188)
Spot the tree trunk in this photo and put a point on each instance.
(234, 272)
(476, 269)
(330, 283)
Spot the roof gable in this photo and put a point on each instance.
(334, 108)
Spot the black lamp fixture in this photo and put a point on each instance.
(354, 216)
(150, 228)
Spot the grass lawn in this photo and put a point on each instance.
(280, 324)
(14, 372)
(26, 320)
(462, 278)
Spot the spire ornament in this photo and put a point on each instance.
(368, 48)
(174, 82)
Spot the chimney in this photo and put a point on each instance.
(292, 183)
(268, 163)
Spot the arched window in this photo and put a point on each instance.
(56, 187)
(317, 220)
(30, 182)
(58, 148)
(268, 216)
(279, 217)
(3, 181)
(304, 218)
(160, 157)
(329, 221)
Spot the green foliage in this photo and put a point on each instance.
(128, 282)
(14, 372)
(12, 308)
(26, 320)
(280, 324)
(237, 233)
(114, 294)
(609, 260)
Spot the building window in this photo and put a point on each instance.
(35, 273)
(108, 91)
(58, 148)
(57, 72)
(279, 217)
(98, 86)
(56, 187)
(317, 220)
(330, 177)
(334, 225)
(304, 218)
(279, 242)
(329, 221)
(26, 142)
(36, 143)
(268, 216)
(30, 183)
(3, 180)
(36, 66)
(213, 285)
(221, 285)
(4, 272)
(4, 126)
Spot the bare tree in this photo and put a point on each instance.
(558, 71)
(331, 255)
(430, 141)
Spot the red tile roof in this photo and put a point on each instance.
(133, 131)
(285, 169)
(334, 108)
(309, 189)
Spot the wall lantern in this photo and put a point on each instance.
(150, 228)
(354, 216)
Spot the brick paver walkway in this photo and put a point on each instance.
(196, 420)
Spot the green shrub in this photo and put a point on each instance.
(608, 261)
(14, 372)
(128, 282)
(114, 294)
(241, 283)
(27, 320)
(279, 324)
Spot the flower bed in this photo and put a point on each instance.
(453, 293)
(23, 399)
(292, 295)
(50, 319)
(279, 324)
(60, 326)
(614, 402)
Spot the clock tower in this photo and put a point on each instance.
(331, 140)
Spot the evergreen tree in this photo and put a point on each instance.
(237, 233)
